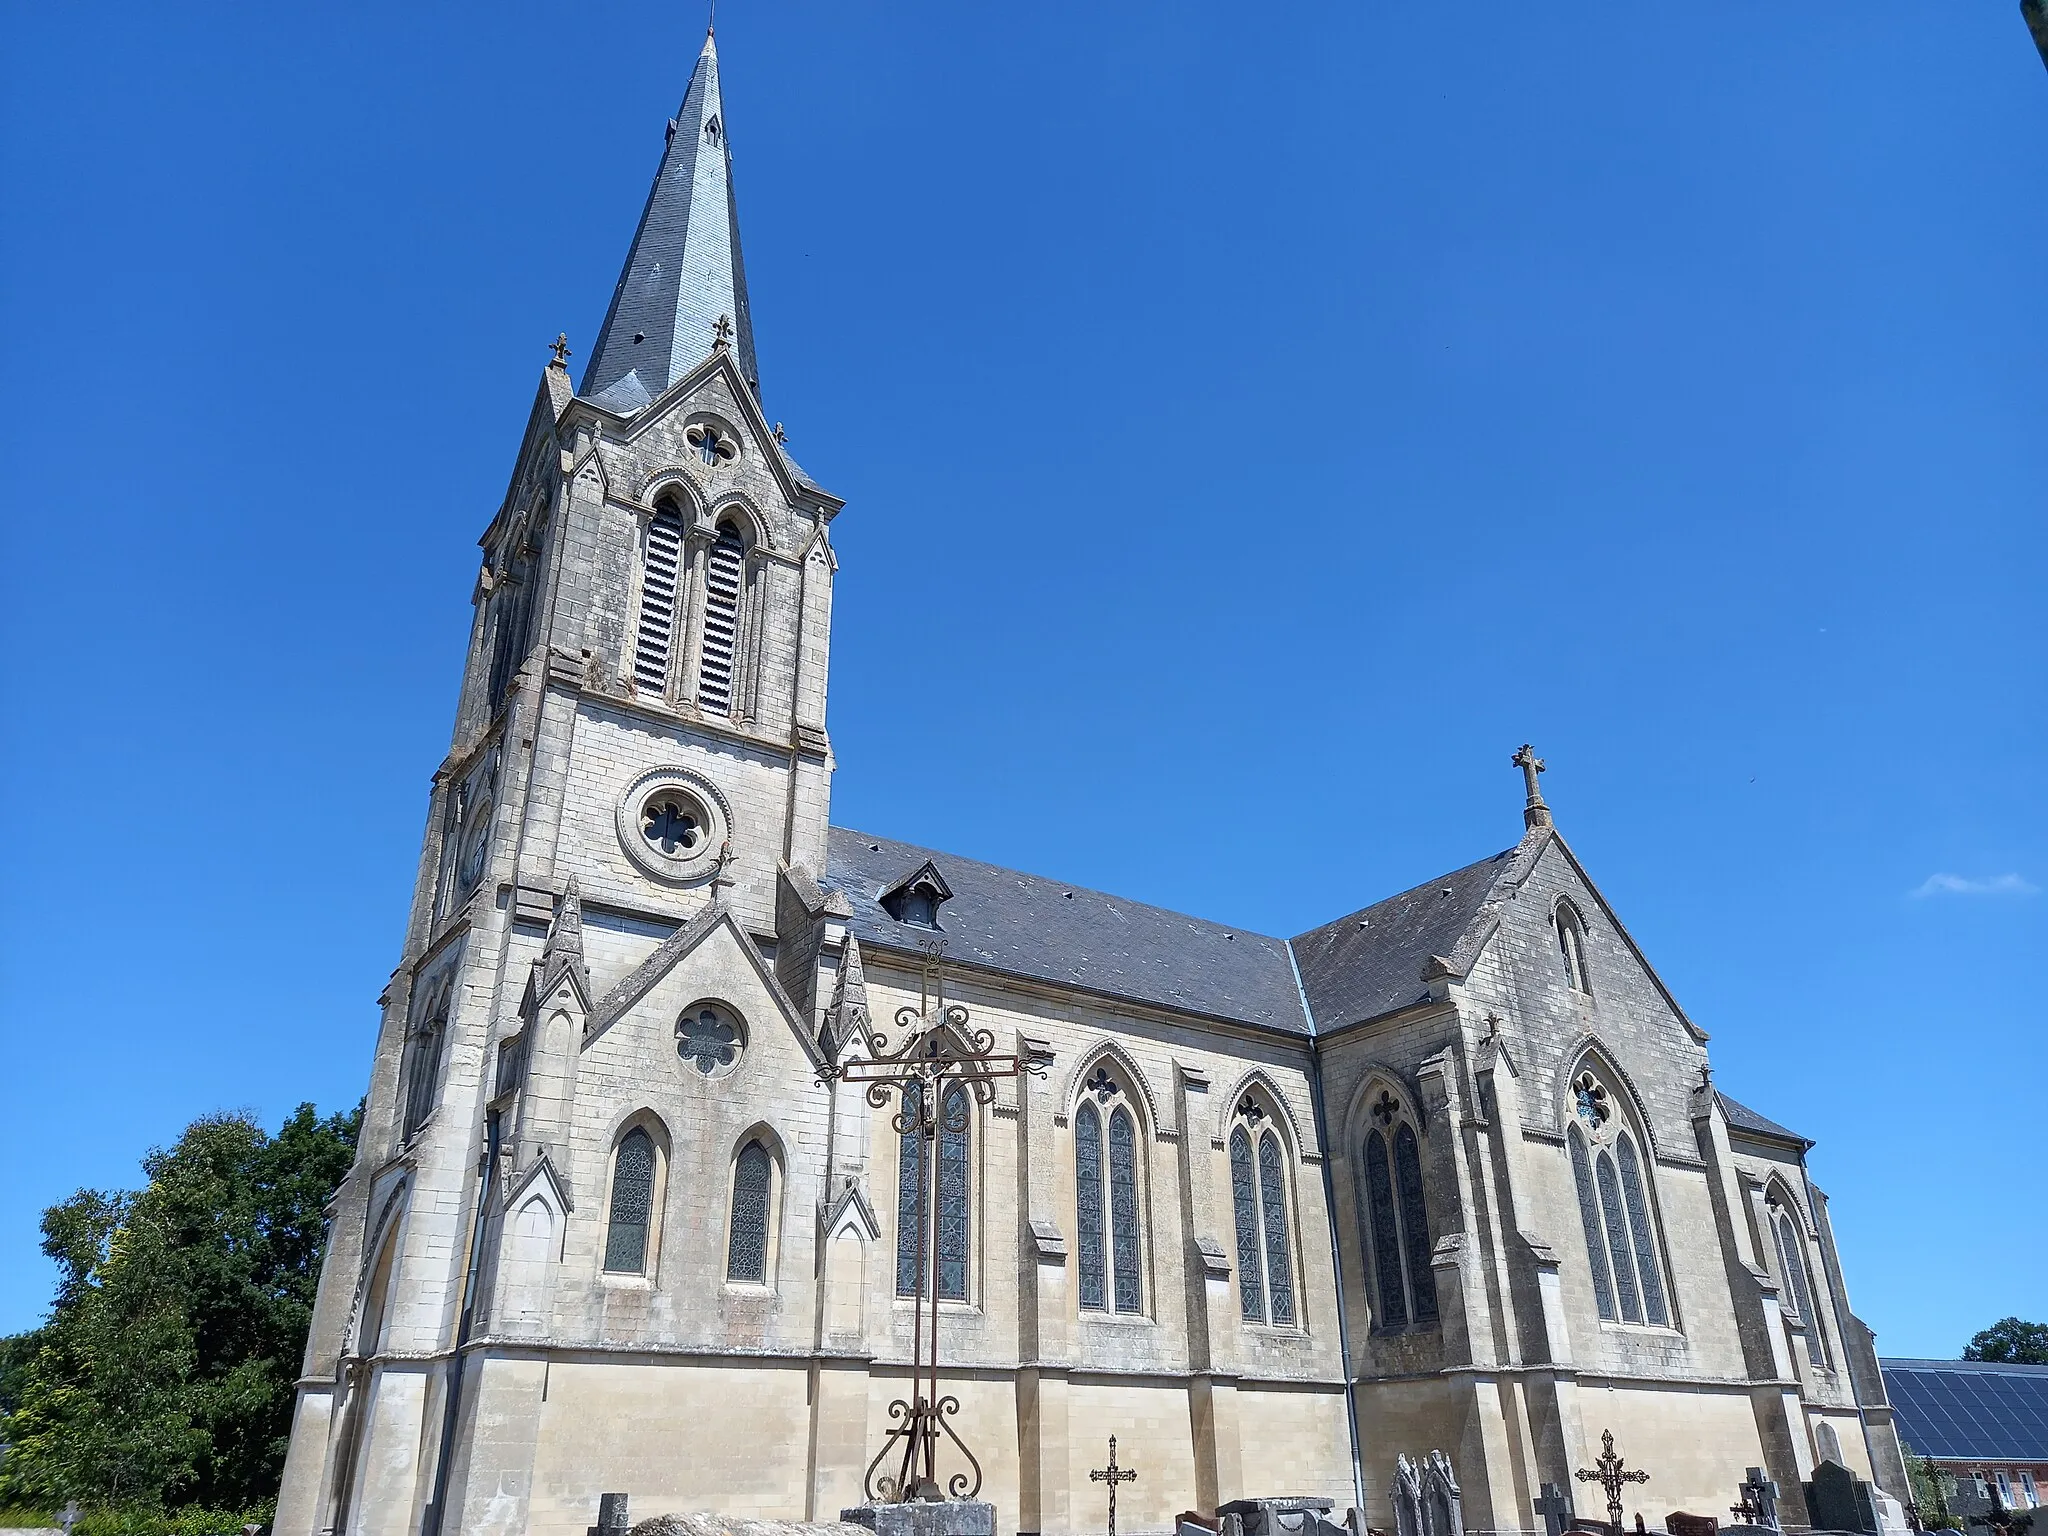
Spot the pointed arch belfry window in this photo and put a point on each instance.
(1792, 1260)
(1106, 1200)
(632, 1207)
(1615, 1210)
(724, 579)
(1258, 1193)
(661, 565)
(1571, 948)
(950, 1192)
(424, 1070)
(1397, 1217)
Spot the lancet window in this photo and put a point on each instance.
(1614, 1210)
(661, 567)
(753, 1175)
(1106, 1199)
(632, 1208)
(1792, 1262)
(724, 576)
(1397, 1217)
(423, 1069)
(1258, 1192)
(1571, 948)
(949, 1193)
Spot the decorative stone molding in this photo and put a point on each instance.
(700, 801)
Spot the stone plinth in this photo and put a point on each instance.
(943, 1517)
(699, 1523)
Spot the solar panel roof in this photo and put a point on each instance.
(1970, 1410)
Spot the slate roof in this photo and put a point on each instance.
(684, 269)
(1969, 1410)
(1742, 1118)
(1370, 963)
(1070, 936)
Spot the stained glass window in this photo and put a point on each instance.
(1617, 1240)
(1795, 1276)
(1414, 1222)
(426, 1063)
(1641, 1237)
(1589, 1218)
(625, 1247)
(1386, 1235)
(1123, 1208)
(747, 1254)
(1088, 1206)
(952, 1196)
(1244, 1201)
(1273, 1201)
(909, 1174)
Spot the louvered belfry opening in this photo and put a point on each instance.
(723, 575)
(659, 579)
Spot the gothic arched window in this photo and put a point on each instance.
(1397, 1218)
(632, 1211)
(718, 666)
(746, 1254)
(1791, 1259)
(1106, 1201)
(1571, 948)
(661, 565)
(949, 1193)
(1258, 1192)
(1621, 1238)
(424, 1071)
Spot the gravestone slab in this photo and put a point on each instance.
(704, 1523)
(1284, 1516)
(941, 1517)
(1838, 1500)
(1680, 1524)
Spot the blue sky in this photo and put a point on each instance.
(1254, 422)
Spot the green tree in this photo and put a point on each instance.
(2011, 1341)
(164, 1375)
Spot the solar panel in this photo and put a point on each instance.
(1971, 1411)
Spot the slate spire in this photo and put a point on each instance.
(683, 273)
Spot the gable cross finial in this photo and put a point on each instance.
(560, 347)
(721, 333)
(1535, 813)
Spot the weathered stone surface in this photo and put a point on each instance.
(945, 1517)
(704, 1523)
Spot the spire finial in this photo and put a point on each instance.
(1535, 813)
(721, 333)
(560, 347)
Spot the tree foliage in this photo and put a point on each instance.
(164, 1374)
(2011, 1342)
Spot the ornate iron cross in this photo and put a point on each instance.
(1112, 1475)
(1612, 1474)
(935, 1048)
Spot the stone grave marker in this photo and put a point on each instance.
(1838, 1500)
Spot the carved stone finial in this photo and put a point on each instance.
(721, 333)
(560, 347)
(780, 435)
(1535, 813)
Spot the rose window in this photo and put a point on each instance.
(707, 1039)
(675, 826)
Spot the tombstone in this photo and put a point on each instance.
(1298, 1516)
(1759, 1496)
(1679, 1524)
(1838, 1500)
(1554, 1509)
(1189, 1523)
(941, 1517)
(611, 1516)
(69, 1517)
(1407, 1498)
(1443, 1503)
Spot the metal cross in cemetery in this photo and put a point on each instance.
(1612, 1474)
(1759, 1504)
(1999, 1520)
(1112, 1475)
(68, 1517)
(935, 1050)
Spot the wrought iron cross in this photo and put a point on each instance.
(1611, 1473)
(1112, 1475)
(936, 1047)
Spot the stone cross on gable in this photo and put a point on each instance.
(1535, 813)
(1112, 1475)
(560, 347)
(721, 333)
(1556, 1509)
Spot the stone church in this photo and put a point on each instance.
(1448, 1172)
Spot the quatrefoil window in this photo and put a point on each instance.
(1250, 1109)
(1102, 1085)
(674, 825)
(1592, 1101)
(707, 1038)
(1387, 1108)
(714, 445)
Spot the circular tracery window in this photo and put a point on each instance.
(714, 445)
(1591, 1101)
(710, 1037)
(674, 824)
